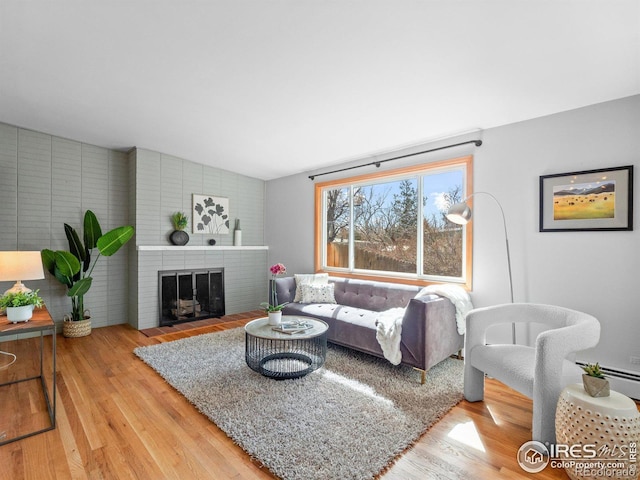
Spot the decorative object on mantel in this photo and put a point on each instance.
(271, 308)
(20, 305)
(212, 241)
(594, 381)
(74, 268)
(237, 234)
(210, 214)
(359, 411)
(180, 221)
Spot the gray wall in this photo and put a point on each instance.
(589, 271)
(47, 181)
(165, 184)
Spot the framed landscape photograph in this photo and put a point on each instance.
(589, 200)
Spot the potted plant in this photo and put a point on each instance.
(73, 268)
(272, 308)
(180, 221)
(594, 381)
(20, 305)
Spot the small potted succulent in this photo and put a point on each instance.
(20, 305)
(179, 220)
(594, 381)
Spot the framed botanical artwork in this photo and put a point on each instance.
(589, 200)
(210, 214)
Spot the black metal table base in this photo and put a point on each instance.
(285, 359)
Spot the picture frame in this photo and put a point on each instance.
(590, 200)
(210, 214)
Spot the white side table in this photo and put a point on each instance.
(608, 426)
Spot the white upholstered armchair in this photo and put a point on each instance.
(539, 372)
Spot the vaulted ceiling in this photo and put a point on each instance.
(269, 88)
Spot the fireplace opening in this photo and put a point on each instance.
(188, 295)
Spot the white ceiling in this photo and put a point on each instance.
(269, 88)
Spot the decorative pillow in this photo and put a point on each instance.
(309, 278)
(313, 293)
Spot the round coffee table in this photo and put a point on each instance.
(282, 355)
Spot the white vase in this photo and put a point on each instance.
(19, 314)
(275, 318)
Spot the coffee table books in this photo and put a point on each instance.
(292, 327)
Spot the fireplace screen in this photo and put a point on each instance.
(188, 295)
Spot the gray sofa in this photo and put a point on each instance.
(429, 332)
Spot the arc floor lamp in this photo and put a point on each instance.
(461, 214)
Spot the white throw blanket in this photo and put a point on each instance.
(389, 322)
(458, 296)
(388, 332)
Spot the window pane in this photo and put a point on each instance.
(385, 226)
(337, 228)
(442, 239)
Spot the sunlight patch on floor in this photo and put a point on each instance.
(467, 434)
(357, 386)
(494, 417)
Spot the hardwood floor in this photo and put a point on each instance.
(117, 419)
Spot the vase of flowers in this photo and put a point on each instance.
(272, 308)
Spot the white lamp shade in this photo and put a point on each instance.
(20, 265)
(459, 213)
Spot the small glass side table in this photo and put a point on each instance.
(41, 323)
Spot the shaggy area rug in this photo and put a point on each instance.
(347, 420)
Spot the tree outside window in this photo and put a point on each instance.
(396, 224)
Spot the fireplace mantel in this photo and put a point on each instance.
(174, 248)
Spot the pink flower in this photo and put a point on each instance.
(277, 269)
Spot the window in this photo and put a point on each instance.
(392, 225)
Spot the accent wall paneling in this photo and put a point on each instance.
(165, 184)
(47, 181)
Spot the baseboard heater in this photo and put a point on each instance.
(625, 382)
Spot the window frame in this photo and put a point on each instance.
(466, 163)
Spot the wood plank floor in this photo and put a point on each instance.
(117, 419)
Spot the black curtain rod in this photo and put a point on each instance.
(377, 163)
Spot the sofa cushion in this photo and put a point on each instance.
(308, 278)
(313, 293)
(376, 296)
(351, 326)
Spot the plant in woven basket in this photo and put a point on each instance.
(594, 381)
(73, 268)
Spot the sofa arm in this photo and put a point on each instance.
(429, 331)
(285, 289)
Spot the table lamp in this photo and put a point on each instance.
(20, 265)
